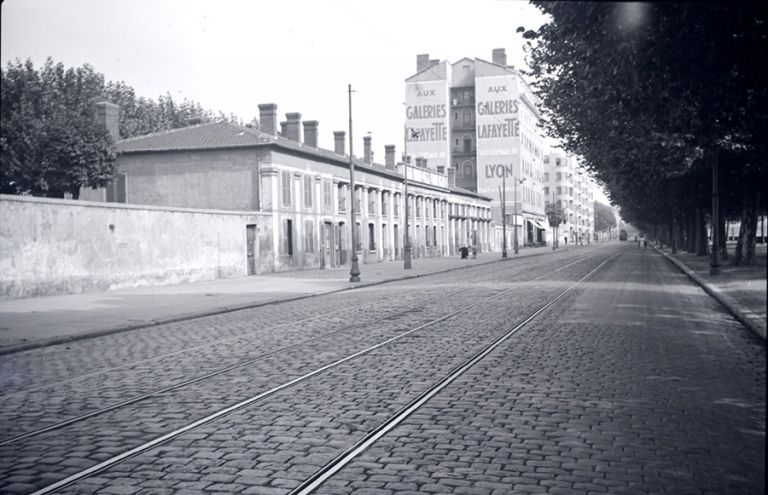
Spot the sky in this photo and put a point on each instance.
(231, 55)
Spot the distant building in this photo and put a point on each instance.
(304, 189)
(477, 120)
(574, 190)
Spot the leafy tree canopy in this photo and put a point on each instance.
(50, 144)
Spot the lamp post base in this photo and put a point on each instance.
(407, 259)
(354, 272)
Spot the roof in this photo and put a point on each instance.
(218, 135)
(203, 136)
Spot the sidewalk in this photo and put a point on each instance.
(741, 289)
(35, 322)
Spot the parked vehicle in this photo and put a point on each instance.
(623, 235)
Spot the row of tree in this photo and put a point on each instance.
(49, 142)
(651, 95)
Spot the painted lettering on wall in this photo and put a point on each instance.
(497, 107)
(436, 132)
(494, 170)
(414, 112)
(508, 128)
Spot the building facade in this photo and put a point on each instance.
(303, 190)
(570, 187)
(477, 120)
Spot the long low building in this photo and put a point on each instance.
(304, 191)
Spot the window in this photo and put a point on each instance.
(546, 176)
(358, 199)
(288, 237)
(371, 237)
(467, 169)
(359, 244)
(342, 198)
(558, 162)
(327, 195)
(116, 190)
(426, 236)
(434, 236)
(308, 191)
(559, 176)
(467, 145)
(286, 187)
(467, 117)
(371, 202)
(546, 191)
(309, 236)
(384, 203)
(434, 209)
(396, 205)
(559, 190)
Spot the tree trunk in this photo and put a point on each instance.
(701, 233)
(690, 234)
(723, 237)
(751, 219)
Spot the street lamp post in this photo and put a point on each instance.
(407, 242)
(504, 214)
(514, 220)
(354, 271)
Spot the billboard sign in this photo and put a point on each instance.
(498, 132)
(426, 119)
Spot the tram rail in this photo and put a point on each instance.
(74, 478)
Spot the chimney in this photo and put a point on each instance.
(367, 154)
(268, 118)
(107, 115)
(499, 56)
(441, 169)
(292, 128)
(389, 156)
(339, 145)
(422, 62)
(284, 128)
(434, 61)
(196, 120)
(310, 133)
(452, 176)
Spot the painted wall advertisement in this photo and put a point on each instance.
(498, 134)
(426, 120)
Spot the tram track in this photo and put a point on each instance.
(305, 377)
(389, 316)
(339, 462)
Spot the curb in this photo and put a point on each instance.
(733, 307)
(14, 348)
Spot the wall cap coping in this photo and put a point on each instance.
(125, 206)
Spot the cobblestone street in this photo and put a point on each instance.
(633, 381)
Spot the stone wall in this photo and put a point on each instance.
(53, 246)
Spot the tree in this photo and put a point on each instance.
(555, 216)
(50, 142)
(650, 95)
(604, 218)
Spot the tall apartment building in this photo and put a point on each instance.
(475, 121)
(574, 190)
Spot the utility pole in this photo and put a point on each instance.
(504, 213)
(407, 242)
(514, 219)
(354, 271)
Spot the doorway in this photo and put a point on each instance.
(250, 248)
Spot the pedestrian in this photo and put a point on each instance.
(645, 243)
(566, 240)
